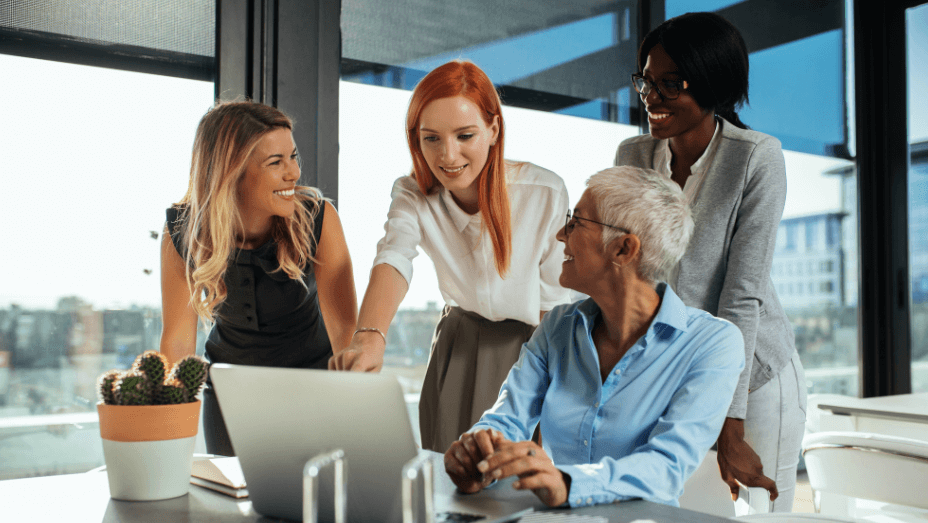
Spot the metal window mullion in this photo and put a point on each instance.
(882, 163)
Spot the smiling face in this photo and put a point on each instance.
(586, 263)
(455, 141)
(671, 118)
(271, 172)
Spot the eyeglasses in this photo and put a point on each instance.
(666, 89)
(568, 227)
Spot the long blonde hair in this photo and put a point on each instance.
(460, 78)
(226, 136)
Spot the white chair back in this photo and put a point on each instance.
(706, 492)
(876, 467)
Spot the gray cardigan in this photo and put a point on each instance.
(726, 269)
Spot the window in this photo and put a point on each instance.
(88, 175)
(917, 43)
(791, 233)
(811, 235)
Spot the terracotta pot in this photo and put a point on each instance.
(148, 449)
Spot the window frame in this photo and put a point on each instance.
(267, 30)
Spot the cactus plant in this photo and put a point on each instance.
(191, 371)
(172, 393)
(105, 386)
(149, 382)
(155, 366)
(132, 388)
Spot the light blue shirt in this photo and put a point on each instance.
(644, 431)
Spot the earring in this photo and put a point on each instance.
(617, 265)
(493, 144)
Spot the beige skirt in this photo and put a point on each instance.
(471, 357)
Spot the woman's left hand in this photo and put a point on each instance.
(535, 470)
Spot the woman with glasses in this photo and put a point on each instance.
(694, 74)
(261, 258)
(488, 225)
(631, 387)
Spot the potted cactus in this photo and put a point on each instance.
(148, 422)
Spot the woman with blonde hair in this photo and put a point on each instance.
(261, 258)
(488, 225)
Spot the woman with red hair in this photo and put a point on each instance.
(488, 225)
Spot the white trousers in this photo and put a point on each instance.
(774, 427)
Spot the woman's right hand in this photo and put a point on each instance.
(463, 455)
(364, 354)
(738, 462)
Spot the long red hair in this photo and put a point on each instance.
(460, 78)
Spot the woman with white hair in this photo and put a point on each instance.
(630, 386)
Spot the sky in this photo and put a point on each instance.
(89, 169)
(91, 158)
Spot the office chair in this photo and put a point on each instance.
(706, 492)
(871, 477)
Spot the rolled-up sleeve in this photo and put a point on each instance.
(402, 230)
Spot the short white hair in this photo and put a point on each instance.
(649, 205)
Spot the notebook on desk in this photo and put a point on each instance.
(280, 418)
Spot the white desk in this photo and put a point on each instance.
(903, 415)
(85, 498)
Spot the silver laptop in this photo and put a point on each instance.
(280, 418)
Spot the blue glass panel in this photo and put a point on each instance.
(917, 48)
(594, 109)
(918, 229)
(678, 7)
(797, 94)
(508, 60)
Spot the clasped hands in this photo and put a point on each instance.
(483, 456)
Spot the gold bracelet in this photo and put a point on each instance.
(373, 329)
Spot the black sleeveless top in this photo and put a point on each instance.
(267, 319)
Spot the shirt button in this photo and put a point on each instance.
(247, 305)
(248, 318)
(589, 501)
(579, 501)
(246, 281)
(596, 404)
(585, 443)
(618, 371)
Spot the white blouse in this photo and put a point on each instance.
(463, 253)
(663, 157)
